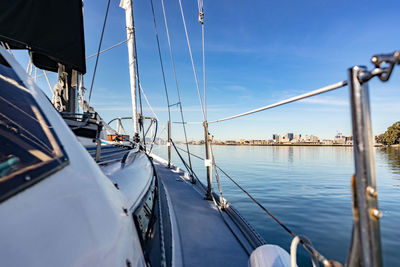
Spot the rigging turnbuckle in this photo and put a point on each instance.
(384, 64)
(201, 16)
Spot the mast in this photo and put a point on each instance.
(130, 32)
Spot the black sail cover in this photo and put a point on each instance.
(52, 30)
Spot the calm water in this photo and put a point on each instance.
(307, 188)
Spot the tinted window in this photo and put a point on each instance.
(29, 150)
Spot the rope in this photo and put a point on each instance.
(161, 62)
(107, 49)
(191, 58)
(176, 81)
(98, 50)
(293, 99)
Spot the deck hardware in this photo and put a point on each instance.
(116, 186)
(376, 213)
(384, 64)
(186, 176)
(372, 191)
(27, 178)
(128, 263)
(125, 211)
(192, 179)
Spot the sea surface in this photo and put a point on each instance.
(308, 189)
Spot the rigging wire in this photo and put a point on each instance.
(191, 59)
(107, 49)
(201, 20)
(176, 81)
(98, 50)
(161, 62)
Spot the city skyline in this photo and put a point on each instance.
(338, 138)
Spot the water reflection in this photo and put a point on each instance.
(392, 157)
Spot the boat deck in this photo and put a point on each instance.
(206, 238)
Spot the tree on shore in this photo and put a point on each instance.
(391, 136)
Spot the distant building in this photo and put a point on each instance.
(327, 142)
(296, 138)
(290, 136)
(230, 142)
(275, 137)
(349, 140)
(339, 139)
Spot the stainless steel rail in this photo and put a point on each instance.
(366, 242)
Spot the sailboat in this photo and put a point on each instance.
(76, 192)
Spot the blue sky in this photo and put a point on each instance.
(257, 53)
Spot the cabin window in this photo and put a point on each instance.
(29, 149)
(146, 219)
(145, 214)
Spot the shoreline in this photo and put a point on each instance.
(323, 145)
